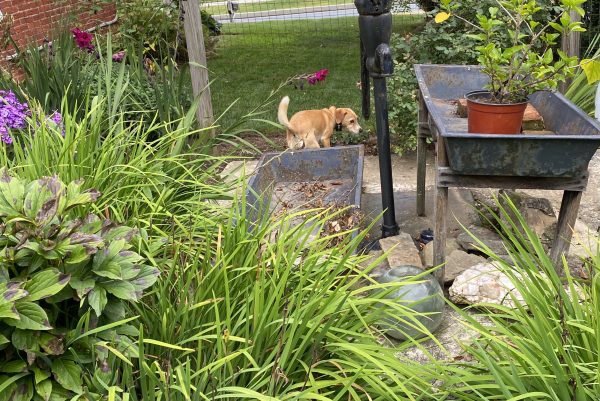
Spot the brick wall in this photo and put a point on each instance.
(34, 20)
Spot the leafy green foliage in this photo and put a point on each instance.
(433, 43)
(269, 310)
(516, 50)
(54, 72)
(54, 268)
(155, 21)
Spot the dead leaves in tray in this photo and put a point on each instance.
(343, 221)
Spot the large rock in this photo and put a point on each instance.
(427, 252)
(537, 213)
(453, 334)
(402, 250)
(585, 242)
(484, 283)
(457, 262)
(488, 237)
(374, 256)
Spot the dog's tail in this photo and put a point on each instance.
(282, 112)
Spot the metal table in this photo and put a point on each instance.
(555, 161)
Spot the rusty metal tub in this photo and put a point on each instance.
(306, 179)
(564, 151)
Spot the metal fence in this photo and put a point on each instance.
(267, 22)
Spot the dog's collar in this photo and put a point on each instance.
(338, 126)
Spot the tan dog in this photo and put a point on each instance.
(309, 127)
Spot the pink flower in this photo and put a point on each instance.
(317, 76)
(118, 57)
(321, 74)
(83, 39)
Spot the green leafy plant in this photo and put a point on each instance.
(516, 51)
(582, 91)
(63, 284)
(155, 21)
(431, 44)
(268, 311)
(54, 71)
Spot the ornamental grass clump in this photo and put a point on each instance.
(546, 347)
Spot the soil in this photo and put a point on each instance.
(275, 143)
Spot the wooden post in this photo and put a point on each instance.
(570, 45)
(422, 134)
(194, 37)
(440, 210)
(564, 230)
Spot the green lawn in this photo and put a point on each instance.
(254, 59)
(273, 5)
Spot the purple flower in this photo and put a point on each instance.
(56, 118)
(12, 115)
(83, 39)
(312, 80)
(118, 56)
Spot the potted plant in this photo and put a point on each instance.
(519, 54)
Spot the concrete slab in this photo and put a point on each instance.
(404, 174)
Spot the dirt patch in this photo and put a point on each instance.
(274, 142)
(263, 144)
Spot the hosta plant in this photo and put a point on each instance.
(63, 284)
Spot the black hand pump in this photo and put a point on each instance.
(375, 24)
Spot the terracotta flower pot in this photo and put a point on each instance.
(493, 118)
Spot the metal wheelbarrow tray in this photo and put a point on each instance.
(565, 152)
(306, 179)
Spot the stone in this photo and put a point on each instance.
(488, 237)
(485, 203)
(537, 213)
(458, 261)
(585, 242)
(453, 334)
(372, 257)
(402, 250)
(452, 245)
(484, 283)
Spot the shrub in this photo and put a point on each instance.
(436, 44)
(61, 279)
(156, 21)
(268, 309)
(433, 44)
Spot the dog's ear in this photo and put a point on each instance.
(339, 115)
